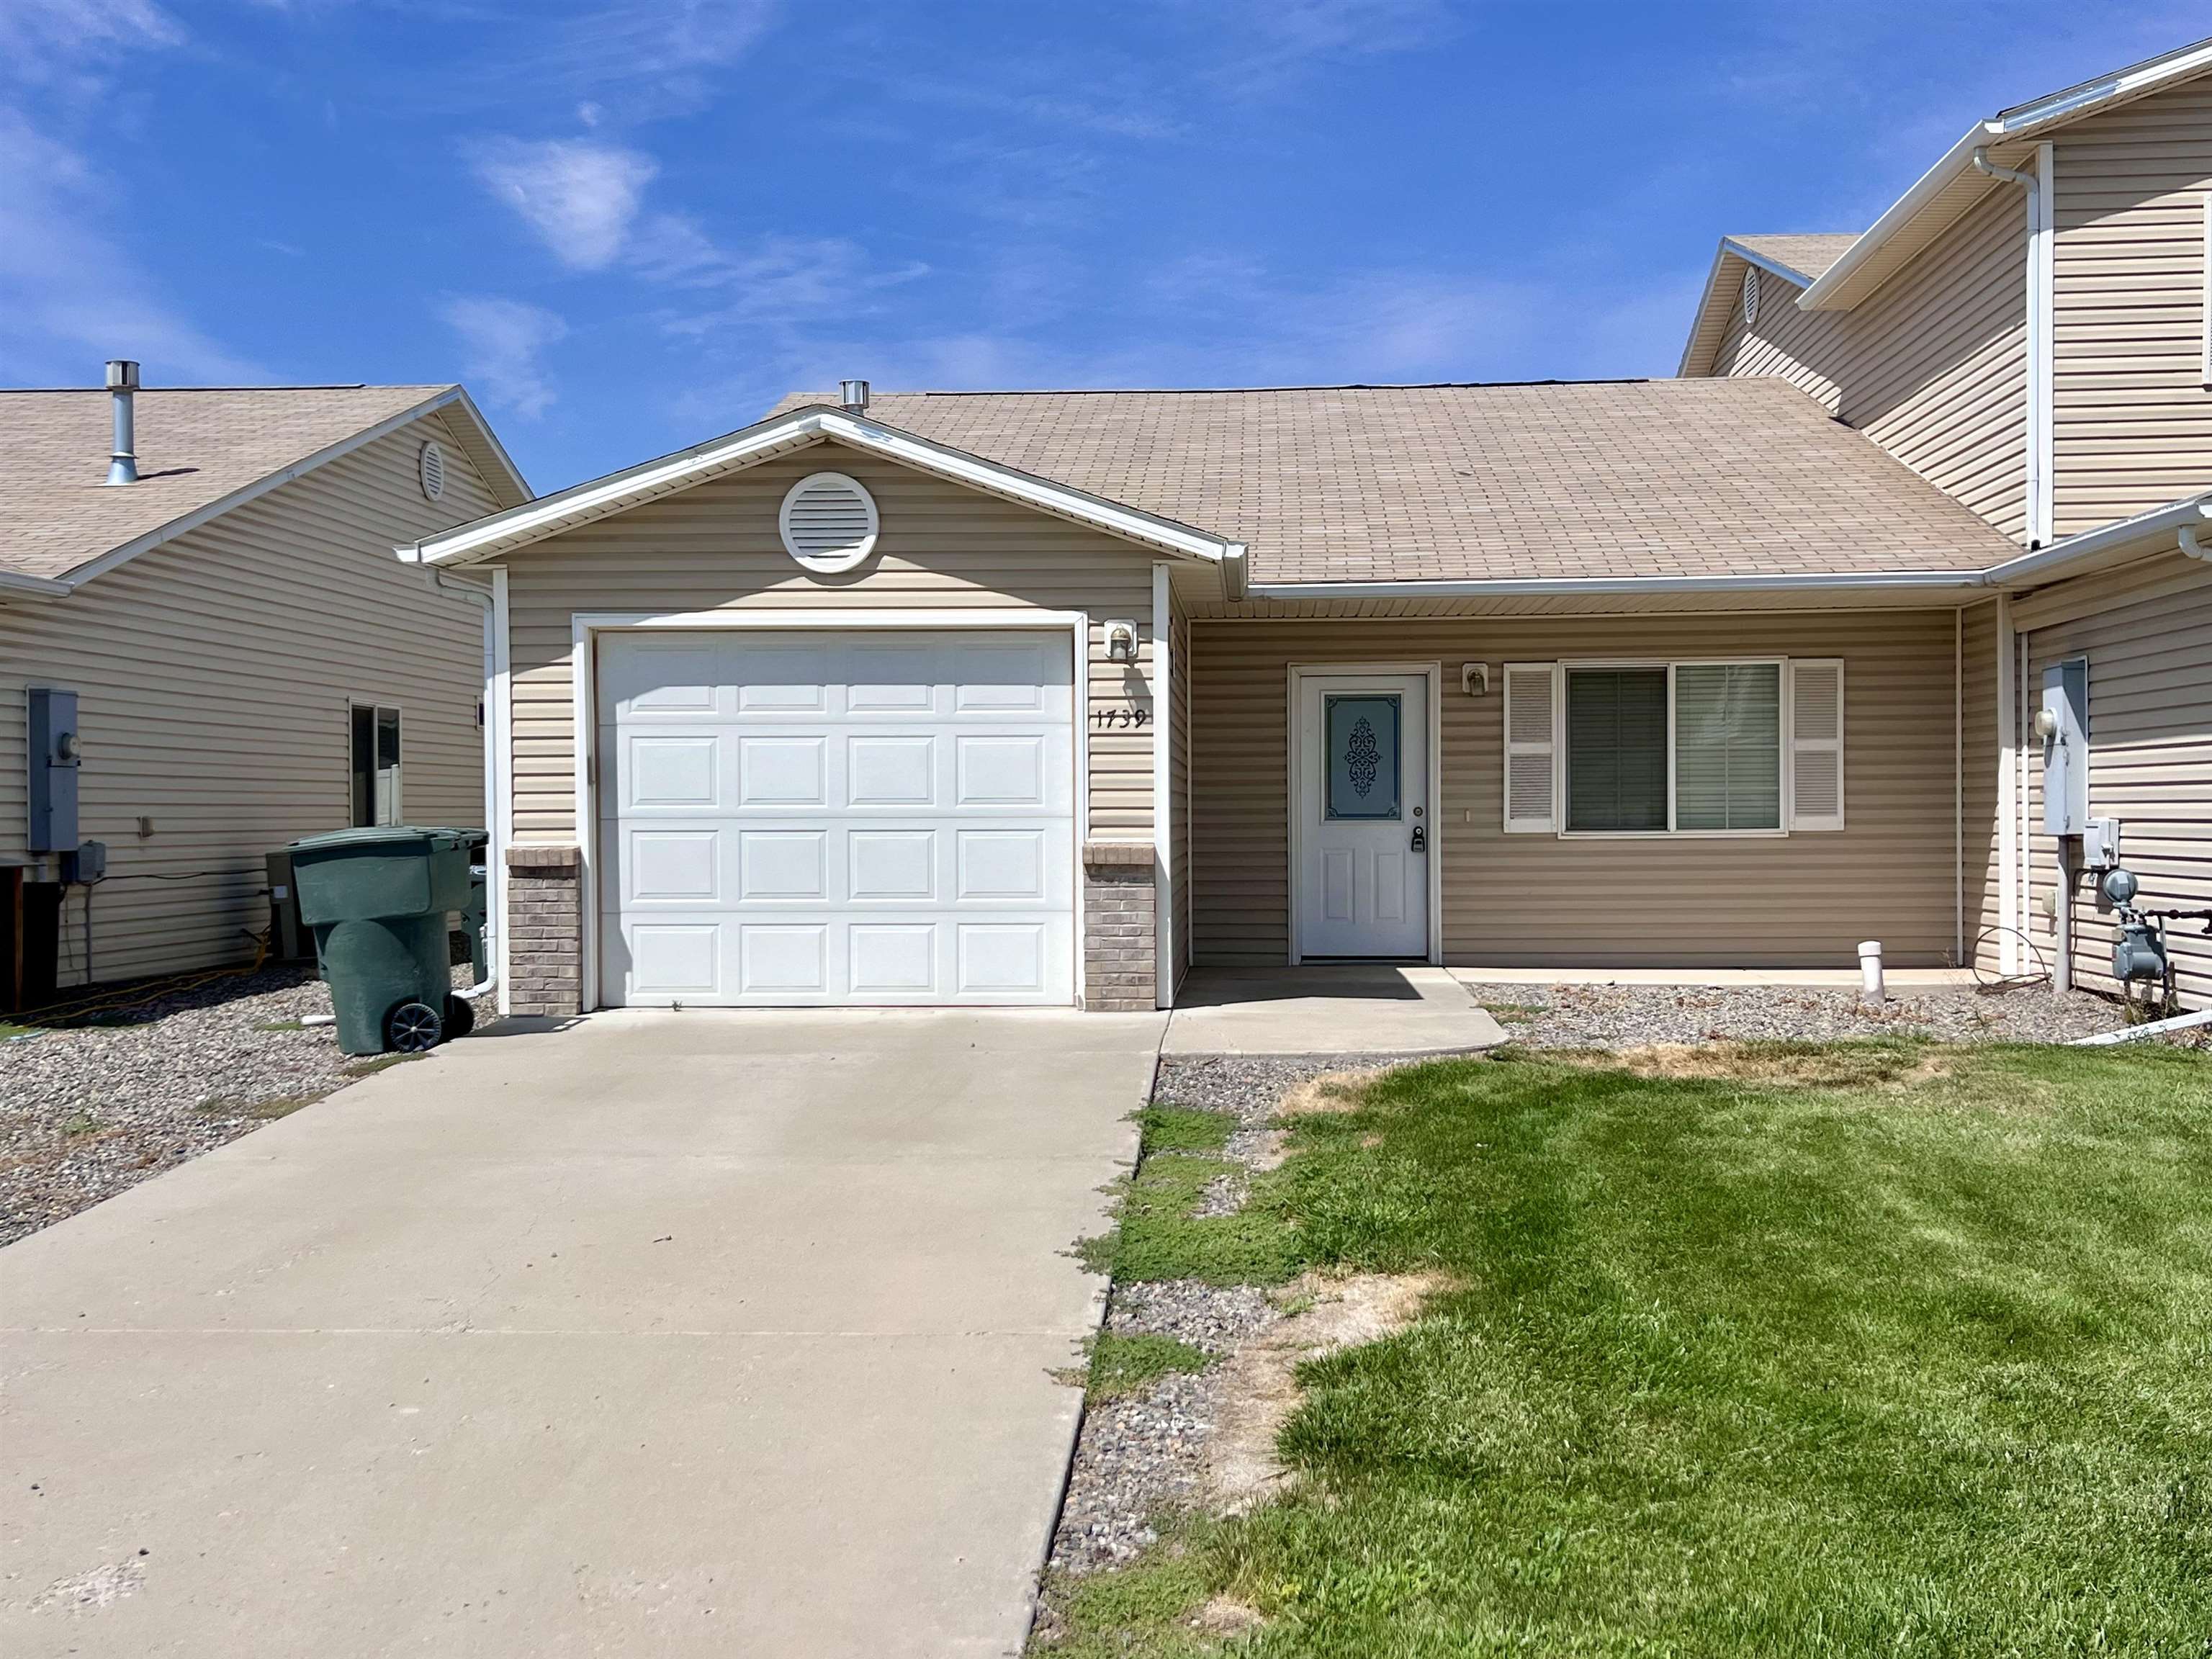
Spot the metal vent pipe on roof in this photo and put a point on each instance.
(122, 382)
(852, 395)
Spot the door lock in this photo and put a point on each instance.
(1421, 839)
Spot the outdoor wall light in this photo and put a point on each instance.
(1121, 641)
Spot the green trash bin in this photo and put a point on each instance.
(377, 901)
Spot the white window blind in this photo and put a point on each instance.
(1816, 743)
(1728, 747)
(1531, 717)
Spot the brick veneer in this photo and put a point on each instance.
(1119, 920)
(545, 939)
(545, 930)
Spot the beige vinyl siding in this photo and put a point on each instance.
(214, 675)
(716, 546)
(1932, 366)
(1179, 887)
(2150, 754)
(1805, 899)
(2132, 419)
(1983, 765)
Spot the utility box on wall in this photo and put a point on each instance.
(53, 757)
(2063, 725)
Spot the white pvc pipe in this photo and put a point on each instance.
(1870, 985)
(2137, 1033)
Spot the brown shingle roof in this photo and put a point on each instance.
(195, 446)
(1808, 256)
(1470, 483)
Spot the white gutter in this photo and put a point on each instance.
(17, 586)
(2007, 126)
(2178, 518)
(1947, 581)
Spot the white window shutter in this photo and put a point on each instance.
(1531, 703)
(1816, 743)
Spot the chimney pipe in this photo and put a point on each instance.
(853, 395)
(122, 381)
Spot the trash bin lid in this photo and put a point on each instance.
(394, 835)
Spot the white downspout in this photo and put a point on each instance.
(2038, 418)
(2008, 918)
(495, 850)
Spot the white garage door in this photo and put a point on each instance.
(837, 818)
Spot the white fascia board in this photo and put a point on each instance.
(1569, 586)
(1797, 278)
(510, 472)
(504, 533)
(1957, 161)
(14, 584)
(2160, 525)
(2010, 126)
(1693, 363)
(238, 498)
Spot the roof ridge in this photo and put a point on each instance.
(305, 386)
(1246, 391)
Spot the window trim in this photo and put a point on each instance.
(1566, 665)
(377, 711)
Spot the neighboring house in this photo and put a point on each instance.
(1045, 697)
(246, 663)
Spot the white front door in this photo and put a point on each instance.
(1361, 773)
(836, 817)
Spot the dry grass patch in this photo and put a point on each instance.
(1331, 1091)
(1805, 1065)
(1259, 1388)
(1225, 1617)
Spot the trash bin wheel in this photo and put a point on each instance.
(460, 1018)
(413, 1027)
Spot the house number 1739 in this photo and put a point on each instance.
(1120, 720)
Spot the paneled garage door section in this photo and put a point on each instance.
(837, 818)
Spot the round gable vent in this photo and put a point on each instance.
(827, 521)
(430, 467)
(1750, 295)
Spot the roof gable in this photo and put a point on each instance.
(201, 453)
(1796, 259)
(1943, 195)
(798, 427)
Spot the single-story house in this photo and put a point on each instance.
(1045, 697)
(207, 650)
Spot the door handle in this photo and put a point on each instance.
(1421, 839)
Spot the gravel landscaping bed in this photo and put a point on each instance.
(1628, 1016)
(89, 1109)
(1142, 1457)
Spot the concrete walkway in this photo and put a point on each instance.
(667, 1334)
(1328, 1009)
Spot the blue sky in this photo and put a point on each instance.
(628, 227)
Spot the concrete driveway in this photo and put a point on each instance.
(665, 1333)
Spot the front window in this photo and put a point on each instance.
(1688, 746)
(1616, 749)
(1728, 746)
(375, 766)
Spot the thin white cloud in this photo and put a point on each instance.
(579, 197)
(70, 294)
(503, 345)
(64, 44)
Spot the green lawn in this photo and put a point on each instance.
(1879, 1350)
